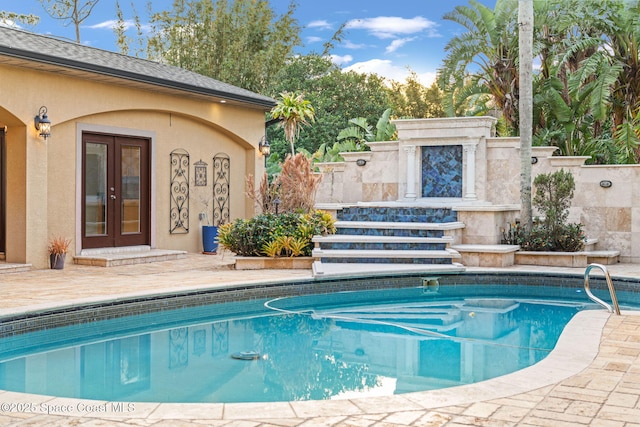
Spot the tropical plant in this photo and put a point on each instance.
(293, 112)
(336, 96)
(355, 138)
(480, 70)
(362, 132)
(287, 234)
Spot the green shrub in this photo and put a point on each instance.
(552, 198)
(287, 234)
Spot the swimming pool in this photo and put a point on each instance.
(337, 336)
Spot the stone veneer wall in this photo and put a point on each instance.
(612, 215)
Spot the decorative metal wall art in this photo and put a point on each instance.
(221, 180)
(179, 200)
(200, 171)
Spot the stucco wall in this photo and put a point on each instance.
(43, 179)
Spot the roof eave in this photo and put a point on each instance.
(141, 78)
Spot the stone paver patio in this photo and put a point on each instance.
(592, 378)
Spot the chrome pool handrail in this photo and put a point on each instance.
(612, 291)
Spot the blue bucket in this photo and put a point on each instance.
(209, 239)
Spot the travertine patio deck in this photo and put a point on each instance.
(592, 379)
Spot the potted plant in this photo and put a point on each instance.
(58, 248)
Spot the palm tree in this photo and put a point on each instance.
(294, 112)
(481, 63)
(525, 44)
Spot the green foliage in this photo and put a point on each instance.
(10, 18)
(480, 69)
(355, 138)
(293, 112)
(287, 234)
(553, 197)
(565, 238)
(413, 100)
(240, 42)
(335, 95)
(551, 233)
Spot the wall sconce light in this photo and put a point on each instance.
(605, 183)
(264, 147)
(361, 162)
(42, 123)
(534, 160)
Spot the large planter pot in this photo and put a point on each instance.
(209, 239)
(57, 261)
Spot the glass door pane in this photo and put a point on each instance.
(95, 196)
(130, 217)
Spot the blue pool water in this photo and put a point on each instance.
(310, 347)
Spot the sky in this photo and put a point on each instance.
(385, 37)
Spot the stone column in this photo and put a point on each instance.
(469, 177)
(411, 172)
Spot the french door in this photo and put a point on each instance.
(115, 189)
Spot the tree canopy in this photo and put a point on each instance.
(241, 42)
(586, 92)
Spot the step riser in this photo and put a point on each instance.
(413, 261)
(397, 214)
(389, 232)
(385, 246)
(381, 222)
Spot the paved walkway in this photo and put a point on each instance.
(592, 378)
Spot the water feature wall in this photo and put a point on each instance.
(488, 198)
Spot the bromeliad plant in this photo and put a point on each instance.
(287, 234)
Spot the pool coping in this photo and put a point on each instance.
(576, 349)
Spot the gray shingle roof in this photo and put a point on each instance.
(44, 49)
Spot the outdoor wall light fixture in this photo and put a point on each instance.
(361, 162)
(42, 123)
(534, 160)
(605, 183)
(264, 147)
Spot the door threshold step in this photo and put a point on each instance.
(6, 267)
(111, 258)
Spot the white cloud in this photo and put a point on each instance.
(347, 44)
(314, 39)
(385, 68)
(385, 27)
(112, 23)
(341, 60)
(321, 24)
(397, 44)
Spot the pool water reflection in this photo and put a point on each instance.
(323, 352)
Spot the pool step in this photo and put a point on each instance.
(373, 256)
(400, 237)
